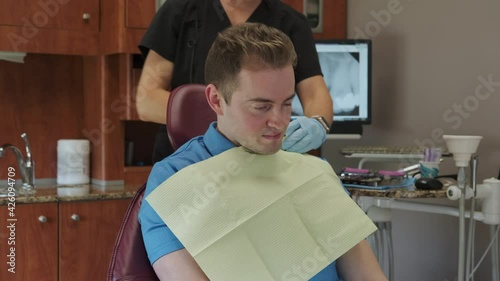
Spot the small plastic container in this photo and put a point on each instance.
(73, 162)
(429, 169)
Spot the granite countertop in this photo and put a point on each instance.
(398, 193)
(49, 194)
(406, 192)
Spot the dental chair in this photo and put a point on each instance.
(188, 115)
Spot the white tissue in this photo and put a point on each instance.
(12, 56)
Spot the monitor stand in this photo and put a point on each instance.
(341, 131)
(342, 137)
(343, 128)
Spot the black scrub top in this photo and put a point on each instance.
(183, 31)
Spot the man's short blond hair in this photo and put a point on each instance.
(253, 46)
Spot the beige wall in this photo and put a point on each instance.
(429, 58)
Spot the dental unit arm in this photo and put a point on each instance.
(488, 192)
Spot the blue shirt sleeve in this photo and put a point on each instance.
(158, 238)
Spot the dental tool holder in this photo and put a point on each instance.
(488, 192)
(462, 148)
(379, 210)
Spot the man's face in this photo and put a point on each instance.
(259, 111)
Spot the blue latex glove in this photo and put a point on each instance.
(303, 134)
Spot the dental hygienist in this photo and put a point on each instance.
(176, 45)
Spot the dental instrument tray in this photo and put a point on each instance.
(365, 177)
(352, 151)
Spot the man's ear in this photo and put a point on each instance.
(214, 98)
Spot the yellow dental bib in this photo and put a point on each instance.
(252, 217)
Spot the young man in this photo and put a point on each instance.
(250, 77)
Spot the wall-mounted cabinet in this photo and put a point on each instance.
(74, 27)
(74, 15)
(139, 13)
(124, 24)
(53, 26)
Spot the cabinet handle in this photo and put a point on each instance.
(75, 217)
(42, 219)
(86, 16)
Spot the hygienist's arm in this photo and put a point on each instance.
(153, 89)
(314, 97)
(360, 264)
(178, 266)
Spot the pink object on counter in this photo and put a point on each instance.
(391, 173)
(354, 170)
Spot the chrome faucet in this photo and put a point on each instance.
(26, 165)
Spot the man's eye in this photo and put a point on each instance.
(261, 107)
(288, 104)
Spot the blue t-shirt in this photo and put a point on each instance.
(158, 238)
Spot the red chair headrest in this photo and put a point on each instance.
(188, 114)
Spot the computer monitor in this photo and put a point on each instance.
(346, 67)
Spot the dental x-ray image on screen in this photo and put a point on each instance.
(346, 67)
(342, 73)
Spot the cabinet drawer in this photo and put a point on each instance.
(78, 15)
(33, 239)
(88, 232)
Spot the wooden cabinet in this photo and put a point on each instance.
(93, 27)
(80, 15)
(32, 248)
(74, 27)
(50, 26)
(139, 13)
(124, 25)
(87, 234)
(62, 241)
(136, 175)
(138, 17)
